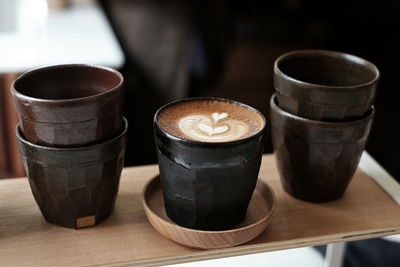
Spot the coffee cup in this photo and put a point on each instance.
(209, 153)
(316, 160)
(325, 85)
(74, 187)
(69, 105)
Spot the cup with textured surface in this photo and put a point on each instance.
(74, 187)
(316, 160)
(69, 105)
(209, 153)
(325, 85)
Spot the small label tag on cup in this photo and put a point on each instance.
(85, 221)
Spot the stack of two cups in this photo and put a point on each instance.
(72, 139)
(321, 115)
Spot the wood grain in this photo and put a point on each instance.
(257, 218)
(128, 239)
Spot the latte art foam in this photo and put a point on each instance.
(210, 121)
(216, 127)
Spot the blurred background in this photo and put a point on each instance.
(173, 49)
(177, 48)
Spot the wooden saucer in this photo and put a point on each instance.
(257, 218)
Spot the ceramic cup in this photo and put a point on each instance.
(69, 105)
(74, 187)
(316, 160)
(325, 85)
(207, 186)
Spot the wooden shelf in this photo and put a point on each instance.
(127, 238)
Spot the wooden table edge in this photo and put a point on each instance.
(256, 248)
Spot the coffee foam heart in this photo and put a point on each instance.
(216, 127)
(210, 121)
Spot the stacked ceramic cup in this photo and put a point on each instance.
(72, 139)
(321, 115)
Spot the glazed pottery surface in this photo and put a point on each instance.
(316, 160)
(325, 85)
(69, 105)
(74, 187)
(207, 186)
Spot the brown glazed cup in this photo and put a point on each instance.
(74, 187)
(69, 105)
(316, 160)
(325, 85)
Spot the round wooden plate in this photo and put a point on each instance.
(257, 218)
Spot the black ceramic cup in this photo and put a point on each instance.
(325, 85)
(316, 160)
(71, 105)
(207, 186)
(74, 187)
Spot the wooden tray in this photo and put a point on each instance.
(257, 218)
(127, 238)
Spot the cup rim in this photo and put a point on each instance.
(276, 108)
(194, 142)
(21, 96)
(336, 54)
(71, 149)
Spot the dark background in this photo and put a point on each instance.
(182, 48)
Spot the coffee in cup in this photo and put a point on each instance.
(210, 121)
(209, 152)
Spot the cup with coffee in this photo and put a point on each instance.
(209, 153)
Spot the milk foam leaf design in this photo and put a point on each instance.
(210, 128)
